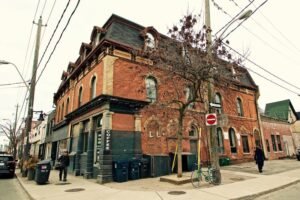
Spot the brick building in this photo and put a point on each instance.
(109, 107)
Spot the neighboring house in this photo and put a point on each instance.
(35, 139)
(280, 128)
(50, 153)
(4, 143)
(108, 108)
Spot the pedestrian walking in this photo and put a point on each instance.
(64, 163)
(259, 158)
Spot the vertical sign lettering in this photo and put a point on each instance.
(107, 139)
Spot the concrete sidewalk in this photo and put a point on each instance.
(152, 189)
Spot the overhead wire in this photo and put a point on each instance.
(58, 40)
(49, 16)
(257, 65)
(7, 84)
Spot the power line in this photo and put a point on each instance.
(53, 33)
(49, 16)
(59, 39)
(16, 83)
(43, 8)
(265, 71)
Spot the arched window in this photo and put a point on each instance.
(220, 140)
(189, 95)
(67, 105)
(193, 131)
(239, 107)
(93, 88)
(150, 41)
(62, 111)
(151, 89)
(218, 100)
(232, 141)
(80, 97)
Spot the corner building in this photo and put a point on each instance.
(109, 105)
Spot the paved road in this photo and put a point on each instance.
(10, 188)
(289, 193)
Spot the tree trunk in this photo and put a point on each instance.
(179, 143)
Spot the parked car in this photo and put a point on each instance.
(7, 164)
(298, 153)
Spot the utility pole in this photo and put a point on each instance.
(214, 157)
(32, 90)
(15, 133)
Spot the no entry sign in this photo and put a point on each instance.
(211, 119)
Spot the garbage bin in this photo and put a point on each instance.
(120, 171)
(42, 171)
(134, 169)
(144, 168)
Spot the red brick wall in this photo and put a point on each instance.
(122, 122)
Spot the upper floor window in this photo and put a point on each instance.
(189, 95)
(218, 100)
(80, 97)
(62, 111)
(239, 106)
(151, 88)
(150, 41)
(67, 105)
(93, 87)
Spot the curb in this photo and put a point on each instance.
(253, 196)
(21, 184)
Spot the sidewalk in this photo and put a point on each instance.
(235, 185)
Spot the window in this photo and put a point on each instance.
(239, 107)
(218, 101)
(150, 41)
(85, 135)
(245, 144)
(151, 89)
(268, 145)
(232, 140)
(58, 113)
(193, 132)
(67, 106)
(189, 95)
(274, 142)
(279, 143)
(220, 140)
(62, 111)
(93, 88)
(80, 97)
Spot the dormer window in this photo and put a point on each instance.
(150, 41)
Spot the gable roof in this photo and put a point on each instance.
(280, 109)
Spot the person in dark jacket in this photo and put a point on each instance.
(64, 163)
(259, 158)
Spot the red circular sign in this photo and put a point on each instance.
(211, 119)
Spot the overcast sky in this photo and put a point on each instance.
(270, 36)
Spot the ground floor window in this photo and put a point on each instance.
(220, 140)
(232, 141)
(268, 145)
(245, 144)
(274, 143)
(279, 143)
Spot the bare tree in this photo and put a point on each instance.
(9, 130)
(184, 59)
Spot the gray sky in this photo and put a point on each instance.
(270, 36)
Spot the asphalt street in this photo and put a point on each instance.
(289, 193)
(10, 189)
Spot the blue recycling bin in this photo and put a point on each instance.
(134, 169)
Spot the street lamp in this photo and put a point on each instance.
(3, 62)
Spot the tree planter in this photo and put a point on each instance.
(24, 173)
(31, 174)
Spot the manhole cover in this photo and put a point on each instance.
(237, 179)
(176, 192)
(74, 190)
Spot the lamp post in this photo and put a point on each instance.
(214, 157)
(3, 62)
